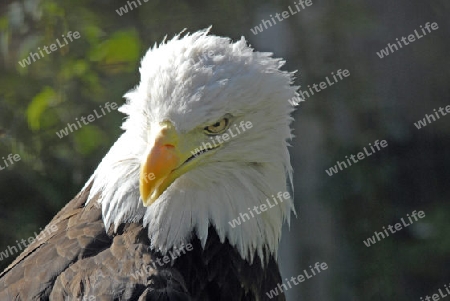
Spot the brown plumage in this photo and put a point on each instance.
(81, 261)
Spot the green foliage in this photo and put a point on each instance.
(120, 52)
(38, 106)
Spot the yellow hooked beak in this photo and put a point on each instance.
(166, 160)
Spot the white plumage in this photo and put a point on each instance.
(180, 84)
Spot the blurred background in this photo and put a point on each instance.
(380, 100)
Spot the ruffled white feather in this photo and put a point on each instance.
(192, 81)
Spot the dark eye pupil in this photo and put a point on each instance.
(217, 127)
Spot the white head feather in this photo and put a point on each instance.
(192, 81)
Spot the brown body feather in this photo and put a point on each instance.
(82, 261)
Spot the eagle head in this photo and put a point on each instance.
(204, 143)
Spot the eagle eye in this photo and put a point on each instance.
(218, 127)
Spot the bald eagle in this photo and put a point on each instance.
(186, 204)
